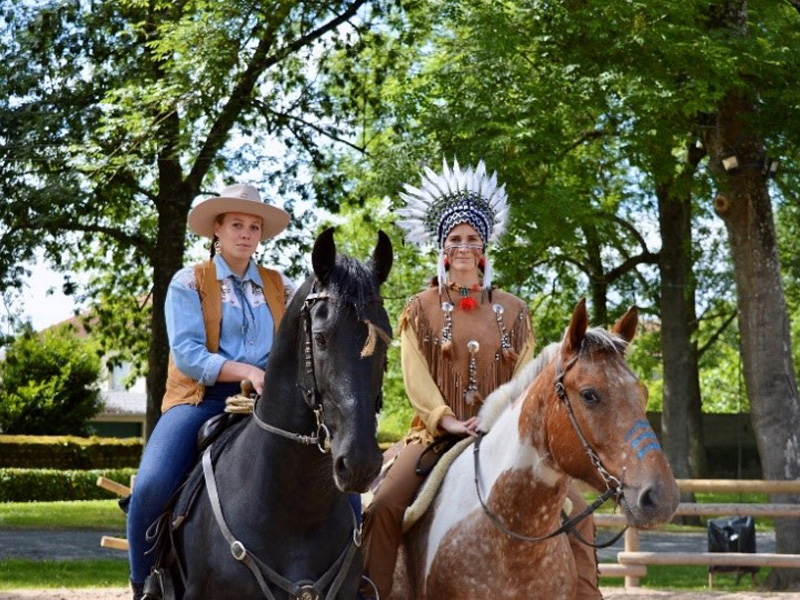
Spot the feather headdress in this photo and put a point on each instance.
(455, 196)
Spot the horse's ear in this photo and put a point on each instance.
(382, 257)
(626, 326)
(323, 257)
(577, 328)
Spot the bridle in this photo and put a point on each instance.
(333, 578)
(568, 525)
(311, 393)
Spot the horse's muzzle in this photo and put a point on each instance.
(652, 503)
(354, 473)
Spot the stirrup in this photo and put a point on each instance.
(159, 586)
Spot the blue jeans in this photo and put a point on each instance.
(170, 453)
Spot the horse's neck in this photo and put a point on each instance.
(286, 468)
(515, 463)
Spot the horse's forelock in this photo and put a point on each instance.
(599, 339)
(352, 281)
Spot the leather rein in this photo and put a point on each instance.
(568, 525)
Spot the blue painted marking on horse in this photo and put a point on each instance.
(643, 436)
(647, 449)
(641, 423)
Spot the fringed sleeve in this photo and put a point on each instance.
(421, 389)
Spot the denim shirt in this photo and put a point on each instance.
(247, 327)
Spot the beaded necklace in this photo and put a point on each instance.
(471, 393)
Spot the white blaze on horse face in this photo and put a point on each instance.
(501, 451)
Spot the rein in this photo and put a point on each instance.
(568, 525)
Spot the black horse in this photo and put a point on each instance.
(282, 526)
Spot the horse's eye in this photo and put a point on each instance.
(590, 397)
(319, 339)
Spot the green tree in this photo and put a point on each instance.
(116, 116)
(48, 384)
(578, 104)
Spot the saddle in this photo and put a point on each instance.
(435, 477)
(433, 464)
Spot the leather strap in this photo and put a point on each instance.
(302, 590)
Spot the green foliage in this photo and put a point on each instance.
(69, 452)
(788, 229)
(44, 485)
(48, 384)
(116, 116)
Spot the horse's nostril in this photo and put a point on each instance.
(341, 466)
(647, 501)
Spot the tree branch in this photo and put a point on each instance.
(629, 264)
(261, 61)
(266, 109)
(627, 226)
(138, 242)
(717, 333)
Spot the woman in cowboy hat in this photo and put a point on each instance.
(460, 339)
(221, 318)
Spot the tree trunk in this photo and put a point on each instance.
(597, 282)
(168, 258)
(744, 205)
(682, 414)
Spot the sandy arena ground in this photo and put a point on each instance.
(608, 594)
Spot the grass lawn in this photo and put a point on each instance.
(105, 514)
(688, 578)
(84, 514)
(18, 573)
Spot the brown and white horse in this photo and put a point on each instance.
(530, 451)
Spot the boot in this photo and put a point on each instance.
(138, 590)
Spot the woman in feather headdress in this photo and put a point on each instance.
(460, 339)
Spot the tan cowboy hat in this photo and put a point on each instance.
(239, 198)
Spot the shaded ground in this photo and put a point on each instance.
(608, 593)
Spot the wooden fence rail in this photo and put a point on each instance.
(632, 563)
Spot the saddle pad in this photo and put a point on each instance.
(187, 494)
(431, 485)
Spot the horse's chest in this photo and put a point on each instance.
(478, 561)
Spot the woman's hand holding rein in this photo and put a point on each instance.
(236, 371)
(452, 425)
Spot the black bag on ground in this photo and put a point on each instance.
(732, 534)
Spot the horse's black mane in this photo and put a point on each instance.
(352, 281)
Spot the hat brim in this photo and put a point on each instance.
(202, 216)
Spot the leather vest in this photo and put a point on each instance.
(182, 389)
